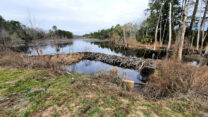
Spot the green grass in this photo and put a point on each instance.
(32, 92)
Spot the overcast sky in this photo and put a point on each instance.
(78, 16)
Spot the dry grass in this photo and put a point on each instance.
(200, 83)
(21, 60)
(173, 78)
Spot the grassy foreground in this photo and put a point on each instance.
(45, 93)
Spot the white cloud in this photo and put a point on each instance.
(78, 16)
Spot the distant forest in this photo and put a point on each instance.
(14, 30)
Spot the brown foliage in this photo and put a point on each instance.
(174, 77)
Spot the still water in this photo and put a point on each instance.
(51, 47)
(94, 67)
(85, 45)
(70, 46)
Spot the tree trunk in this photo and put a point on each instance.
(193, 18)
(203, 25)
(170, 28)
(161, 32)
(205, 13)
(164, 30)
(192, 41)
(206, 51)
(199, 29)
(156, 32)
(178, 51)
(202, 44)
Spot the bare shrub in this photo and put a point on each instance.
(173, 77)
(200, 83)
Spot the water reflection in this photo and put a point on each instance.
(94, 67)
(85, 45)
(139, 52)
(65, 46)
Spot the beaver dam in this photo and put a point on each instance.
(135, 69)
(92, 58)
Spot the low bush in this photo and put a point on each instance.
(172, 78)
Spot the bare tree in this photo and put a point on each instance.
(31, 31)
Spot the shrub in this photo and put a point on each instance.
(173, 77)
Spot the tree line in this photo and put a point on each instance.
(176, 23)
(55, 32)
(117, 34)
(14, 30)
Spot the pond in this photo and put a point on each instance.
(94, 67)
(51, 47)
(84, 45)
(68, 46)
